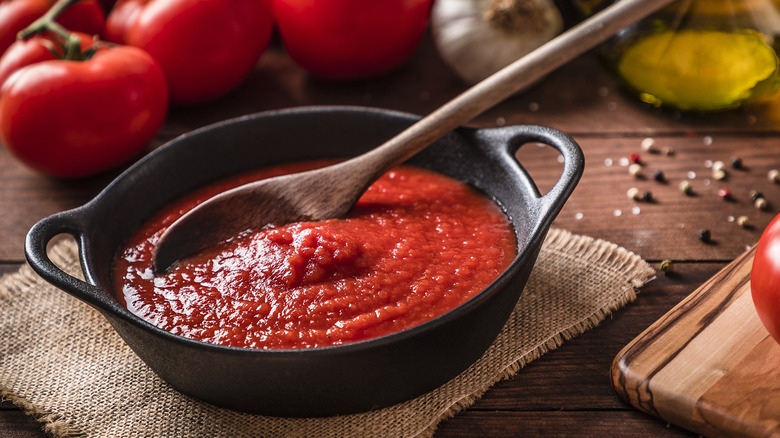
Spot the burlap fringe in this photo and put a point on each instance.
(52, 423)
(600, 251)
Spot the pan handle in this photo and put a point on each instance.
(573, 166)
(35, 248)
(550, 203)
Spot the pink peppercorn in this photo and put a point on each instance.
(724, 193)
(635, 158)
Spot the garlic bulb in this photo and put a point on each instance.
(476, 38)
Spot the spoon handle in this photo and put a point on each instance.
(507, 81)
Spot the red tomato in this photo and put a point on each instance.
(75, 118)
(34, 49)
(205, 47)
(85, 16)
(765, 278)
(350, 39)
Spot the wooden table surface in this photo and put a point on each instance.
(567, 391)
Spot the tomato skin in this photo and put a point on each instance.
(205, 47)
(34, 49)
(21, 54)
(350, 39)
(765, 278)
(71, 119)
(86, 16)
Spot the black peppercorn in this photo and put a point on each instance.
(736, 162)
(659, 176)
(705, 235)
(754, 194)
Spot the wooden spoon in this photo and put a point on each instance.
(332, 191)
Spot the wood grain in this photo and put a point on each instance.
(17, 424)
(613, 424)
(668, 226)
(708, 365)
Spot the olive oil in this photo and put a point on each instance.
(698, 69)
(700, 55)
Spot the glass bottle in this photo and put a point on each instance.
(701, 55)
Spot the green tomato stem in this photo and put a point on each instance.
(46, 21)
(70, 43)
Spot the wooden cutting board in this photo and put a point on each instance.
(708, 365)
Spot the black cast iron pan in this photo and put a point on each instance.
(320, 381)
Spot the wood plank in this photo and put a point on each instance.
(615, 424)
(470, 424)
(26, 197)
(9, 268)
(697, 364)
(17, 424)
(668, 227)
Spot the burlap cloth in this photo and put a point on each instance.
(63, 363)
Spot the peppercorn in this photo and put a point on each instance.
(705, 235)
(761, 204)
(633, 193)
(736, 162)
(686, 187)
(647, 196)
(719, 174)
(667, 266)
(743, 221)
(724, 193)
(774, 175)
(668, 151)
(635, 158)
(648, 145)
(718, 165)
(659, 176)
(754, 194)
(635, 169)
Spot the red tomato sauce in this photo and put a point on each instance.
(416, 245)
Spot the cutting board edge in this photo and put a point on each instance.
(628, 373)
